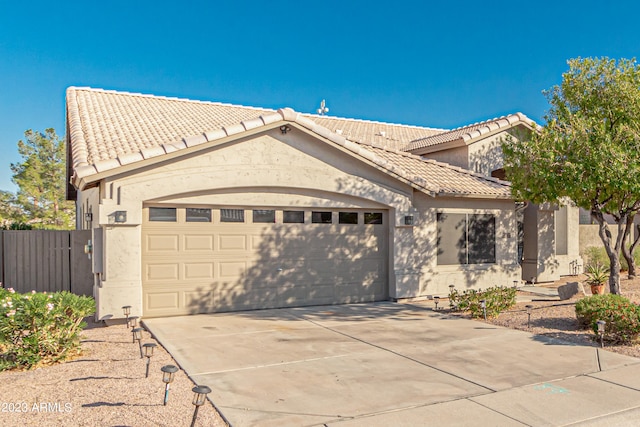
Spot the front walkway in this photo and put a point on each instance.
(395, 364)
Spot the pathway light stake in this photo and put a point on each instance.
(137, 336)
(515, 284)
(601, 324)
(126, 309)
(168, 372)
(199, 398)
(483, 304)
(452, 288)
(148, 352)
(528, 307)
(133, 321)
(436, 300)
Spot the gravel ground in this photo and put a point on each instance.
(557, 319)
(106, 385)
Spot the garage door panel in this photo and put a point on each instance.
(199, 300)
(162, 301)
(162, 271)
(198, 243)
(232, 242)
(231, 269)
(198, 270)
(162, 243)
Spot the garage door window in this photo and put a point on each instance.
(321, 217)
(293, 217)
(231, 215)
(373, 217)
(162, 214)
(262, 215)
(348, 217)
(198, 215)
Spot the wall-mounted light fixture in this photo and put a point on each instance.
(284, 129)
(408, 220)
(120, 217)
(88, 217)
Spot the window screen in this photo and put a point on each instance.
(466, 239)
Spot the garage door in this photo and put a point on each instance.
(213, 259)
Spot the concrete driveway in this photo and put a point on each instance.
(394, 364)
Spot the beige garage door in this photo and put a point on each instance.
(201, 259)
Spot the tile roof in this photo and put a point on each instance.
(108, 130)
(467, 134)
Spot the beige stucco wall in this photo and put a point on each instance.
(458, 156)
(435, 279)
(296, 170)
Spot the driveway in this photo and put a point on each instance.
(395, 364)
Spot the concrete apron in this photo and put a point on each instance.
(395, 364)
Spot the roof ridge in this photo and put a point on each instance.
(168, 98)
(372, 121)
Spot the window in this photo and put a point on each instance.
(293, 217)
(231, 215)
(262, 215)
(466, 239)
(162, 214)
(348, 217)
(321, 217)
(373, 217)
(198, 215)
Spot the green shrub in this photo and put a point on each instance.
(597, 255)
(497, 300)
(40, 328)
(621, 315)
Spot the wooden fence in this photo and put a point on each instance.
(44, 260)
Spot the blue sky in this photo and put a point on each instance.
(444, 64)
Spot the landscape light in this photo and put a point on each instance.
(148, 352)
(436, 300)
(199, 398)
(601, 324)
(137, 336)
(168, 373)
(529, 307)
(127, 311)
(483, 304)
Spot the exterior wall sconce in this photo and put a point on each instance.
(199, 398)
(408, 220)
(88, 217)
(120, 217)
(284, 129)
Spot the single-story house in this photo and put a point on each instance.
(202, 207)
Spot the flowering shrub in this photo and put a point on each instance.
(39, 327)
(621, 315)
(497, 300)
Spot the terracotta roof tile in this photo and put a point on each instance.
(110, 129)
(467, 133)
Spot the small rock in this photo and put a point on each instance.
(570, 290)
